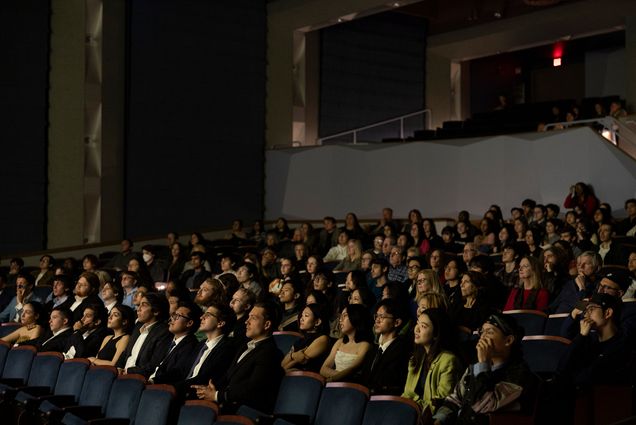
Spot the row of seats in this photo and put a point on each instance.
(73, 392)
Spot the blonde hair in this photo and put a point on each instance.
(436, 286)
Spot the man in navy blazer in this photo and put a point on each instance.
(255, 374)
(213, 356)
(182, 325)
(150, 340)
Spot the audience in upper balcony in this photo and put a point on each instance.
(581, 199)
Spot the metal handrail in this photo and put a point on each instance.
(355, 131)
(614, 130)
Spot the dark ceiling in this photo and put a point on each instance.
(450, 15)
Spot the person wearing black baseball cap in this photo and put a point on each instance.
(499, 379)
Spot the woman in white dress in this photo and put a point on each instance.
(347, 354)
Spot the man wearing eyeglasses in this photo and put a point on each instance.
(183, 323)
(386, 364)
(500, 378)
(212, 357)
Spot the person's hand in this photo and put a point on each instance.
(77, 325)
(586, 326)
(580, 281)
(575, 312)
(206, 392)
(484, 350)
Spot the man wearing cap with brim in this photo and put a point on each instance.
(613, 283)
(500, 378)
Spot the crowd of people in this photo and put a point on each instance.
(383, 305)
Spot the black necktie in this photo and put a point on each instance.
(196, 362)
(376, 359)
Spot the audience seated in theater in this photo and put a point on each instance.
(365, 262)
(177, 261)
(463, 234)
(486, 240)
(269, 265)
(236, 231)
(533, 241)
(88, 332)
(470, 251)
(384, 370)
(539, 219)
(290, 298)
(397, 271)
(430, 235)
(499, 380)
(520, 226)
(175, 365)
(249, 278)
(121, 322)
(241, 303)
(414, 217)
(631, 267)
(23, 294)
(254, 376)
(347, 354)
(433, 370)
(616, 110)
(494, 292)
(327, 237)
(61, 295)
(257, 234)
(531, 294)
(150, 338)
(472, 312)
(210, 292)
(6, 293)
(363, 296)
(555, 270)
(86, 292)
(413, 267)
(153, 265)
(627, 226)
(138, 266)
(353, 228)
(378, 276)
(431, 300)
(32, 319)
(111, 294)
(338, 252)
(386, 220)
(210, 358)
(436, 262)
(581, 199)
(55, 338)
(44, 276)
(301, 254)
(427, 281)
(192, 279)
(287, 272)
(588, 265)
(129, 283)
(453, 272)
(449, 243)
(15, 267)
(614, 283)
(551, 234)
(310, 352)
(508, 272)
(120, 260)
(610, 251)
(353, 258)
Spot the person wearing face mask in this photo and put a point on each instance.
(157, 271)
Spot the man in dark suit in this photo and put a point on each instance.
(89, 333)
(255, 374)
(193, 278)
(60, 330)
(212, 357)
(182, 325)
(386, 364)
(150, 339)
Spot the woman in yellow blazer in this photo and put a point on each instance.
(434, 369)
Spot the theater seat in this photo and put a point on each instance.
(342, 403)
(390, 410)
(233, 420)
(543, 352)
(285, 339)
(42, 377)
(198, 412)
(17, 367)
(554, 323)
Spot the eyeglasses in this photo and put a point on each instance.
(605, 288)
(377, 317)
(413, 267)
(176, 316)
(207, 314)
(591, 307)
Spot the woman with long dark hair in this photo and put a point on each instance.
(433, 359)
(347, 354)
(310, 352)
